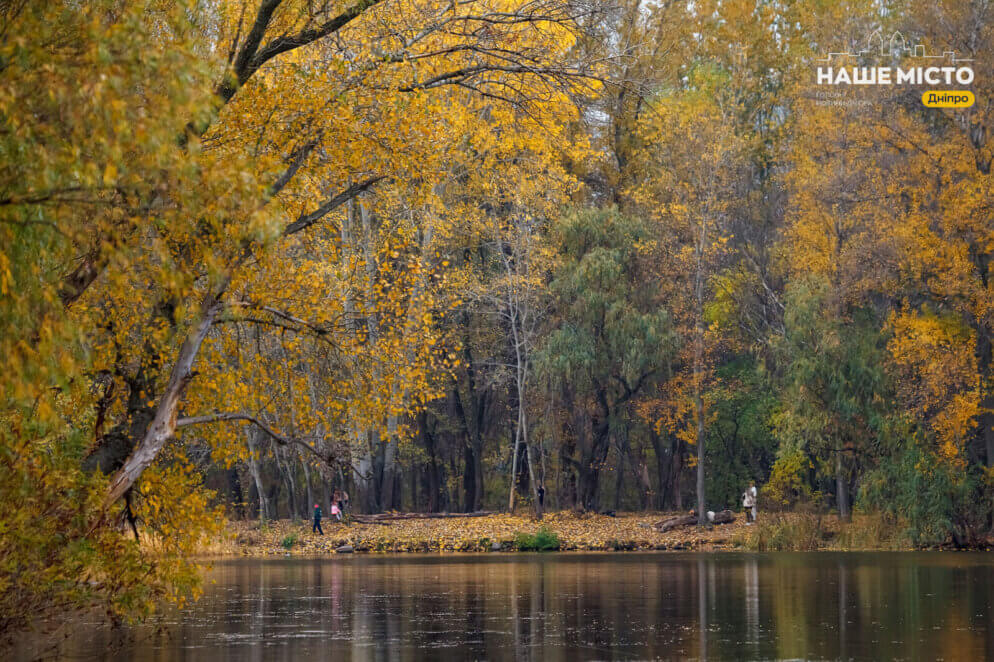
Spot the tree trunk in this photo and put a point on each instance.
(841, 487)
(434, 486)
(285, 469)
(721, 517)
(531, 467)
(364, 482)
(514, 466)
(662, 477)
(699, 365)
(310, 490)
(985, 359)
(619, 476)
(163, 425)
(472, 443)
(235, 487)
(387, 492)
(264, 511)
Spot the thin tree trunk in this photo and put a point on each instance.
(253, 462)
(310, 490)
(531, 468)
(619, 474)
(387, 495)
(514, 464)
(237, 497)
(364, 476)
(284, 467)
(841, 487)
(699, 368)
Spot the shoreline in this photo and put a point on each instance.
(558, 531)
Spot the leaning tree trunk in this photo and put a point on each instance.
(163, 425)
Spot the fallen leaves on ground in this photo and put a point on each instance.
(627, 531)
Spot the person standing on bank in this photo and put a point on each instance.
(317, 521)
(749, 502)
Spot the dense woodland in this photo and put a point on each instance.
(444, 254)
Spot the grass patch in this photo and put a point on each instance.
(785, 533)
(871, 532)
(543, 540)
(805, 532)
(289, 541)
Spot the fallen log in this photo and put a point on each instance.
(723, 517)
(385, 517)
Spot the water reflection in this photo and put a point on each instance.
(574, 607)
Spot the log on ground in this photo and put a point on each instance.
(722, 517)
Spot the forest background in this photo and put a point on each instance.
(443, 253)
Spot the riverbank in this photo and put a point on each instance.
(565, 531)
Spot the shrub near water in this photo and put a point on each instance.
(805, 532)
(786, 533)
(543, 540)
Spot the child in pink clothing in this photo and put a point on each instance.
(336, 512)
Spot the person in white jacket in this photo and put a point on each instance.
(749, 502)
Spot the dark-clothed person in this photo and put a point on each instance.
(317, 521)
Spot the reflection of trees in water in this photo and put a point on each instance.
(702, 601)
(570, 607)
(751, 575)
(843, 611)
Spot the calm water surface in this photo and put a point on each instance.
(911, 606)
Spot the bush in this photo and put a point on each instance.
(542, 540)
(289, 541)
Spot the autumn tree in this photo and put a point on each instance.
(188, 185)
(612, 336)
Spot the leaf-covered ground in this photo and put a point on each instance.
(475, 534)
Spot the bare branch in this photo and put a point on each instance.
(239, 416)
(332, 203)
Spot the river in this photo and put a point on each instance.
(724, 606)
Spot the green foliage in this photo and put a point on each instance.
(94, 99)
(741, 445)
(290, 540)
(938, 503)
(610, 338)
(543, 540)
(837, 397)
(611, 325)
